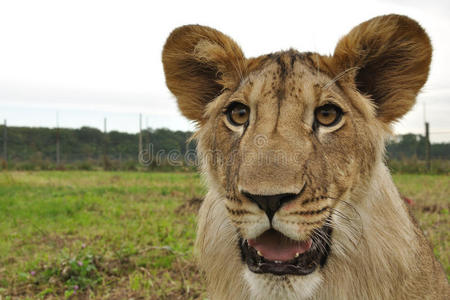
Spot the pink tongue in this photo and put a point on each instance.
(274, 246)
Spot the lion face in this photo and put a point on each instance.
(285, 146)
(286, 139)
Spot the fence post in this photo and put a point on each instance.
(57, 141)
(427, 147)
(106, 165)
(140, 136)
(5, 144)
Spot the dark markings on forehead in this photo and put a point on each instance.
(281, 92)
(293, 59)
(285, 62)
(310, 62)
(283, 68)
(317, 90)
(279, 67)
(278, 114)
(287, 59)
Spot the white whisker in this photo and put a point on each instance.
(339, 76)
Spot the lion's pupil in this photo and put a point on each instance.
(327, 115)
(239, 114)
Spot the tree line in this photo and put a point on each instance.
(412, 146)
(27, 143)
(86, 143)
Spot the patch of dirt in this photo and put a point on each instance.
(191, 206)
(434, 208)
(115, 179)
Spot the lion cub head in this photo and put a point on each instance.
(287, 138)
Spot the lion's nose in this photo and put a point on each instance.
(270, 203)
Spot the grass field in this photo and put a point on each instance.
(122, 235)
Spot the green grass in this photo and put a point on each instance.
(431, 197)
(120, 235)
(120, 227)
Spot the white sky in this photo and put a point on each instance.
(91, 59)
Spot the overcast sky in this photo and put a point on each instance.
(87, 60)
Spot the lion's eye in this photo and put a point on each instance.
(328, 115)
(238, 113)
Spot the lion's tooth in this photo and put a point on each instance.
(278, 261)
(297, 255)
(259, 253)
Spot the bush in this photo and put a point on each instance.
(414, 166)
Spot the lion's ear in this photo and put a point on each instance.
(199, 62)
(391, 55)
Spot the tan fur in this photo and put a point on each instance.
(377, 250)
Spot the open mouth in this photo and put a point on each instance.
(273, 252)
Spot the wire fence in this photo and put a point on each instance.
(87, 148)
